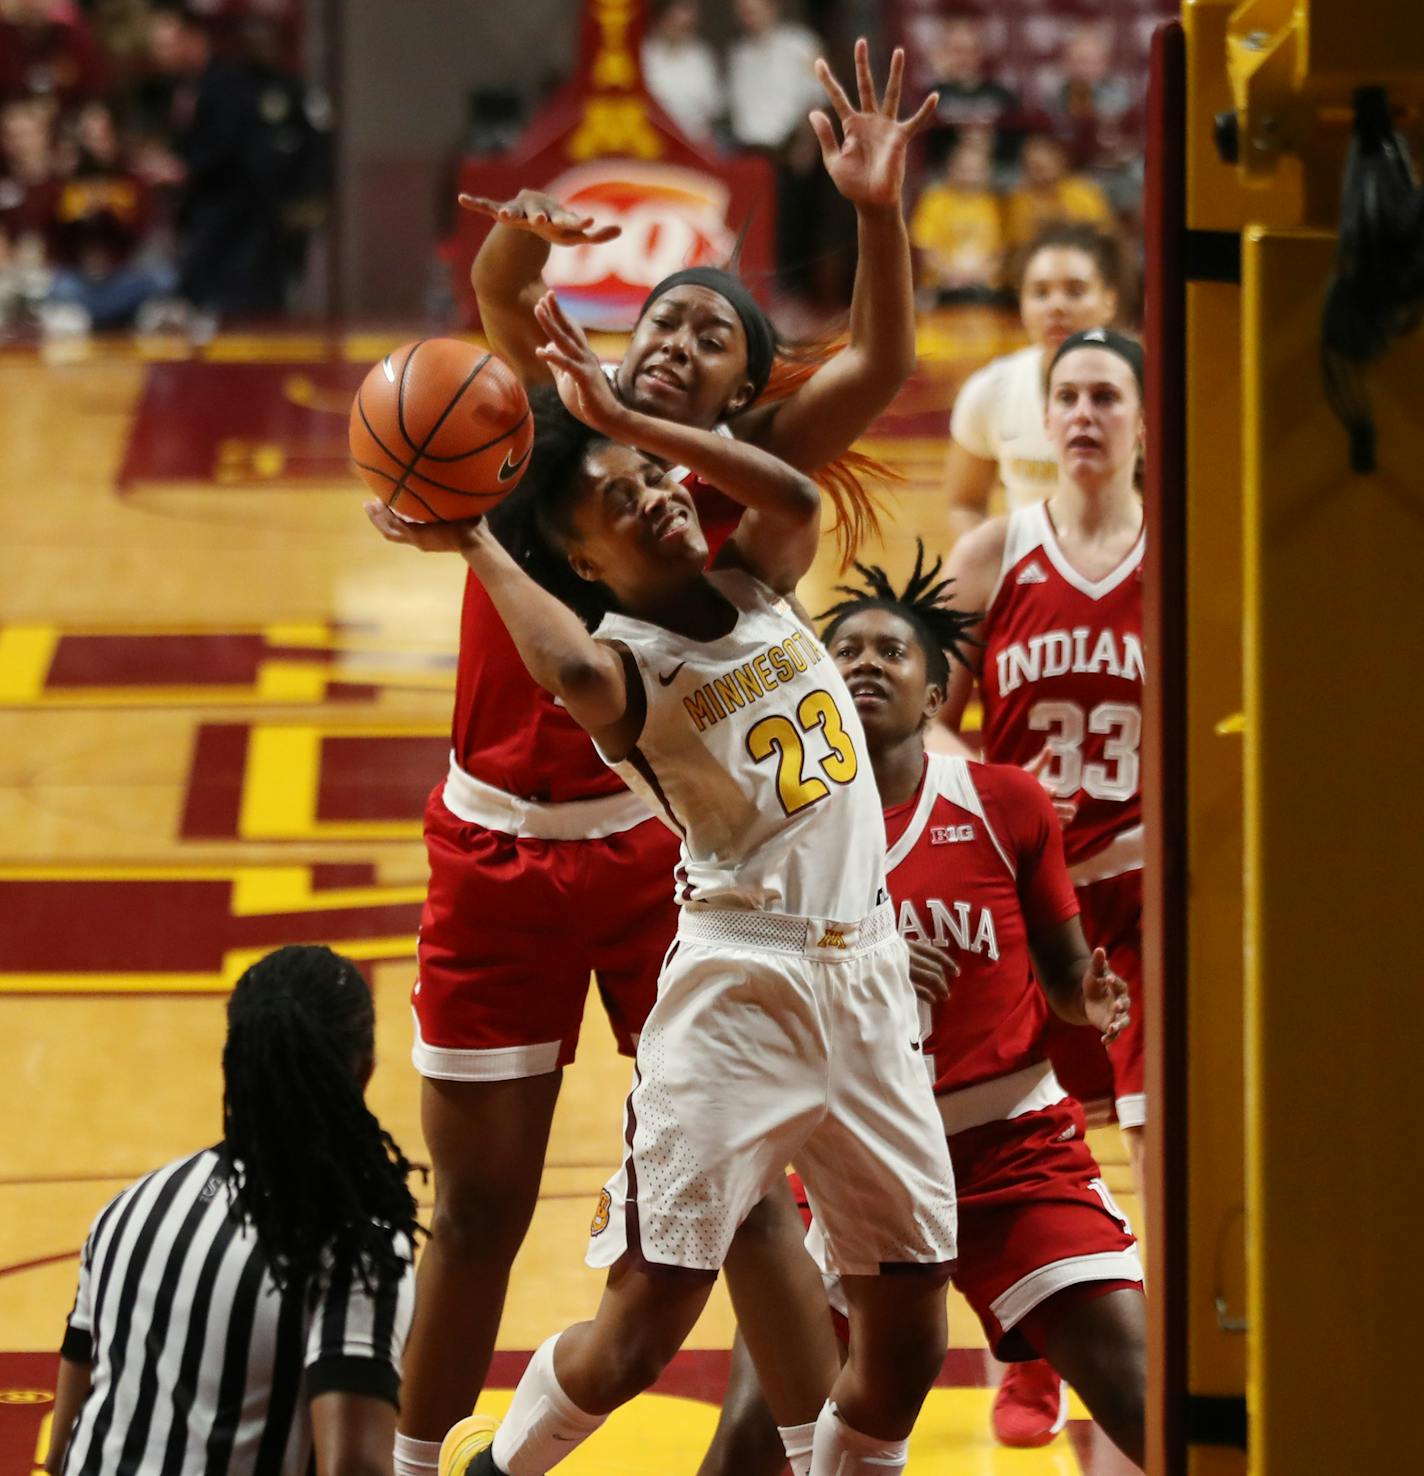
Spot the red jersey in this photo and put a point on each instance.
(1062, 669)
(975, 863)
(508, 731)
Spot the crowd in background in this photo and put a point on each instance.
(163, 164)
(1040, 118)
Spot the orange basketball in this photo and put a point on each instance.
(441, 430)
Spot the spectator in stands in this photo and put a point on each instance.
(96, 231)
(957, 227)
(26, 190)
(681, 70)
(772, 87)
(47, 51)
(1049, 191)
(1089, 104)
(231, 239)
(968, 95)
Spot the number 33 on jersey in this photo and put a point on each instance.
(1062, 680)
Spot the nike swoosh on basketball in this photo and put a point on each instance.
(665, 678)
(508, 468)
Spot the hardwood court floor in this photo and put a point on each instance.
(224, 700)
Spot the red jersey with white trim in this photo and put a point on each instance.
(1062, 670)
(976, 863)
(507, 730)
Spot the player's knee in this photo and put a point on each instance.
(476, 1221)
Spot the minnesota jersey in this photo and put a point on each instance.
(508, 731)
(998, 415)
(975, 863)
(1062, 671)
(753, 753)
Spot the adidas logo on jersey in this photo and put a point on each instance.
(832, 938)
(1032, 574)
(946, 835)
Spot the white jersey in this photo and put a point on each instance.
(753, 752)
(998, 415)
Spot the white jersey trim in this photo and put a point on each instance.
(1013, 1305)
(477, 803)
(499, 1063)
(947, 776)
(1001, 1098)
(1123, 853)
(1031, 528)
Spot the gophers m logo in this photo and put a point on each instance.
(946, 835)
(600, 1214)
(832, 938)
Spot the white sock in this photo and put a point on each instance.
(543, 1424)
(841, 1451)
(797, 1441)
(416, 1457)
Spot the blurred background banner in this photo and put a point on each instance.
(604, 147)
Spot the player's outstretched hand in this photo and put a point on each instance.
(1105, 1000)
(579, 377)
(930, 971)
(868, 165)
(541, 215)
(427, 537)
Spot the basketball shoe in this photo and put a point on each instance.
(1030, 1408)
(465, 1451)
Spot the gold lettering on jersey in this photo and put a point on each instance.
(832, 938)
(1060, 651)
(742, 685)
(1028, 470)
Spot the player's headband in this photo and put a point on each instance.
(1127, 349)
(761, 336)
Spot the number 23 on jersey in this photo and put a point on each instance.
(777, 737)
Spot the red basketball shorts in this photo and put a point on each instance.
(513, 928)
(1035, 1219)
(1097, 1075)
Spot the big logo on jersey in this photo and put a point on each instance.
(671, 218)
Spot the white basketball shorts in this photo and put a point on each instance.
(779, 1040)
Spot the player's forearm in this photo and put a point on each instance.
(745, 472)
(1061, 959)
(508, 278)
(553, 643)
(882, 304)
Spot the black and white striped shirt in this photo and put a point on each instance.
(199, 1363)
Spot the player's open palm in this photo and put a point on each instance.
(1105, 998)
(578, 376)
(541, 215)
(868, 165)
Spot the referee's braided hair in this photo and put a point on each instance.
(322, 1183)
(941, 630)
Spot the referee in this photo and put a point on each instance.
(245, 1307)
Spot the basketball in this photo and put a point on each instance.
(440, 430)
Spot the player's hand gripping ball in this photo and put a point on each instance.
(441, 430)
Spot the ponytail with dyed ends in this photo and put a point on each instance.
(322, 1183)
(850, 479)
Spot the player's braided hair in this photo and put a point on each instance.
(941, 630)
(322, 1183)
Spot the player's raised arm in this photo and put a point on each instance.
(821, 419)
(777, 537)
(586, 675)
(508, 270)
